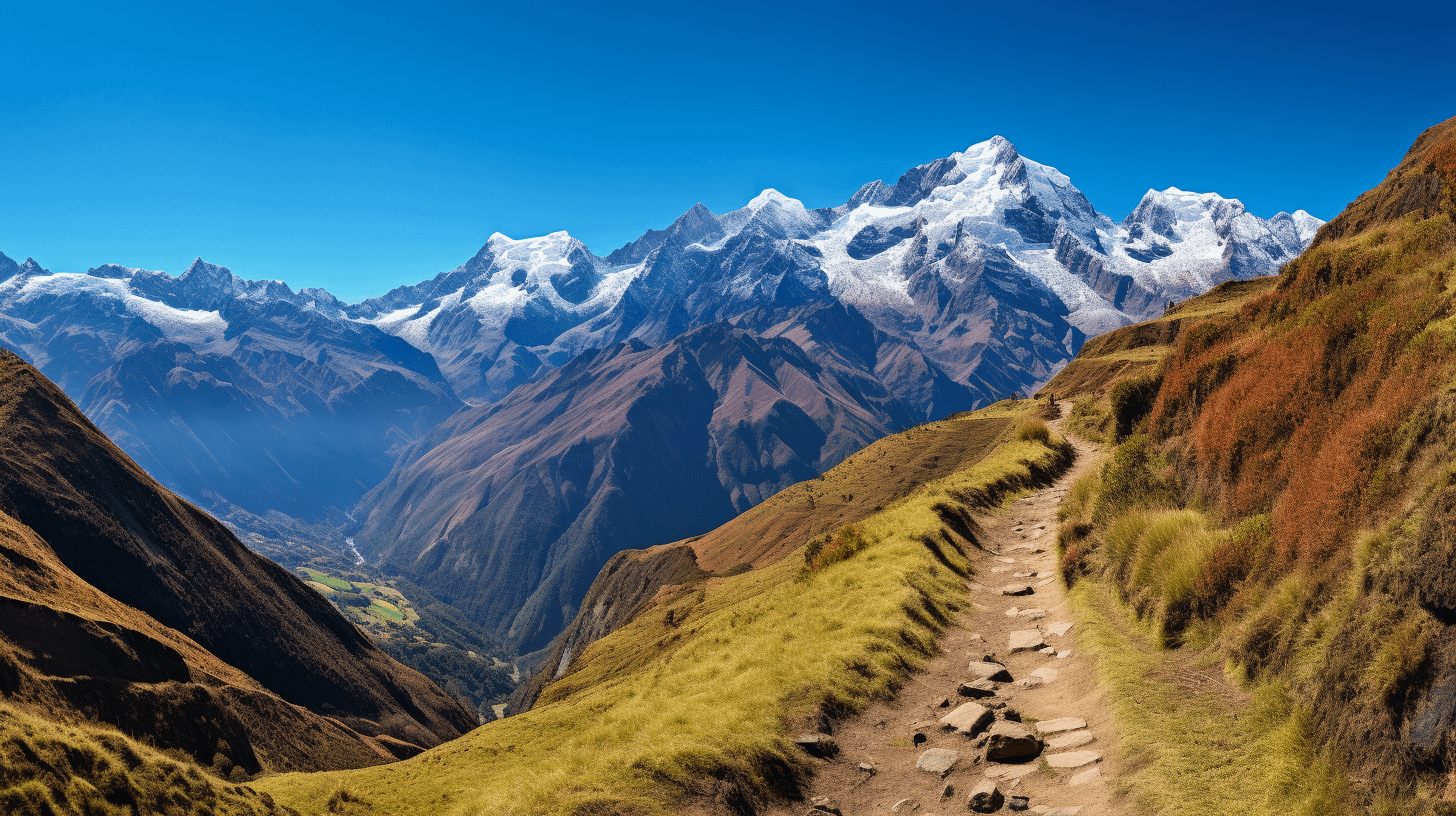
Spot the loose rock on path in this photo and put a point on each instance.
(1008, 718)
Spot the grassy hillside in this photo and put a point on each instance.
(49, 768)
(701, 695)
(1281, 500)
(864, 484)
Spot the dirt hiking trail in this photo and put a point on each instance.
(899, 757)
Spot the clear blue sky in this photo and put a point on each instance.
(361, 146)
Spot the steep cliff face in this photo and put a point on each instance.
(130, 606)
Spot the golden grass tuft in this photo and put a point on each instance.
(1032, 429)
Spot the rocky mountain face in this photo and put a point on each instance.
(762, 345)
(124, 604)
(623, 445)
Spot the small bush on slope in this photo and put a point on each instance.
(704, 706)
(1132, 479)
(1131, 401)
(1089, 421)
(1034, 430)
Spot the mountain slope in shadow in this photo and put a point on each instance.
(124, 604)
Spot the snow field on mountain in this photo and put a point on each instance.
(185, 325)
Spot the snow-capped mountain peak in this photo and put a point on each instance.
(1306, 224)
(977, 226)
(770, 195)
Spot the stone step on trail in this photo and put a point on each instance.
(1071, 739)
(968, 718)
(977, 689)
(985, 797)
(1012, 741)
(1046, 673)
(1008, 772)
(1026, 640)
(1073, 759)
(987, 670)
(1059, 629)
(1086, 777)
(1059, 725)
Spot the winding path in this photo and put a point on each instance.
(1054, 690)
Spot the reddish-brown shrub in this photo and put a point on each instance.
(1073, 564)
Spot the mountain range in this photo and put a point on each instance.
(498, 432)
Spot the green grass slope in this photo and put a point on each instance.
(701, 695)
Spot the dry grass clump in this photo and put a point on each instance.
(826, 551)
(1034, 430)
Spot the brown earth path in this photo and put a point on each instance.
(875, 771)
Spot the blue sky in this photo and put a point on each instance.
(363, 146)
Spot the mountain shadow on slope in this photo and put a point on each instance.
(130, 606)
